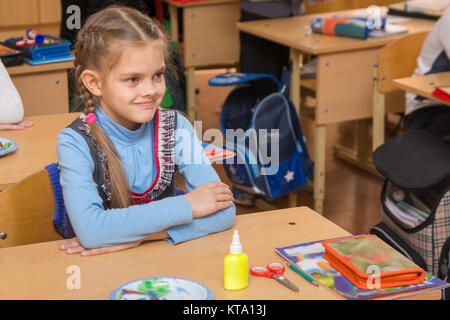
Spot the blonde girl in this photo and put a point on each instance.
(119, 158)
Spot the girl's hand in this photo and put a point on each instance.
(16, 126)
(72, 246)
(209, 198)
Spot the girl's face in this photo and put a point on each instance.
(134, 88)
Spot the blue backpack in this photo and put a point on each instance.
(261, 126)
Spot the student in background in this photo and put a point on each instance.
(422, 113)
(11, 107)
(259, 55)
(118, 162)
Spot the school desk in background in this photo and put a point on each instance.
(434, 86)
(50, 50)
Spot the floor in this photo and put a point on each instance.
(352, 196)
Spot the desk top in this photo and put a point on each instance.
(424, 85)
(292, 33)
(198, 3)
(26, 69)
(39, 271)
(36, 147)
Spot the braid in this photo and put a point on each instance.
(86, 96)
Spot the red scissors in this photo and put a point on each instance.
(275, 271)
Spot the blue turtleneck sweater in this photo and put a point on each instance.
(96, 227)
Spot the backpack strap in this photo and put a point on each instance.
(101, 173)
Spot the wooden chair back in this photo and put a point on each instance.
(26, 211)
(315, 6)
(398, 60)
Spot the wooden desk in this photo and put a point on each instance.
(46, 84)
(344, 78)
(39, 271)
(424, 85)
(36, 147)
(210, 38)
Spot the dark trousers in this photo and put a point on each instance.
(259, 55)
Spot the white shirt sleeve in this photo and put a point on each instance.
(444, 30)
(11, 107)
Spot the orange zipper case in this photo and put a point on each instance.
(369, 263)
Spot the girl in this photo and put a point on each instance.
(118, 162)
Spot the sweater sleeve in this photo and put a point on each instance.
(11, 107)
(196, 169)
(93, 225)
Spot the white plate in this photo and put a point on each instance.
(8, 146)
(162, 288)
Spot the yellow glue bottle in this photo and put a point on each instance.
(236, 266)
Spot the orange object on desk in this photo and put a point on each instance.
(365, 258)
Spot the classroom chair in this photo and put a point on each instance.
(396, 60)
(26, 212)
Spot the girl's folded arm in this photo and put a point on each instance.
(96, 227)
(196, 169)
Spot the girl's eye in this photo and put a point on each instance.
(159, 76)
(132, 80)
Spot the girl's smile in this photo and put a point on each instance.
(147, 104)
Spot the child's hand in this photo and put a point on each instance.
(209, 198)
(72, 246)
(16, 126)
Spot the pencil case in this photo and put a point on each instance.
(369, 263)
(52, 47)
(353, 27)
